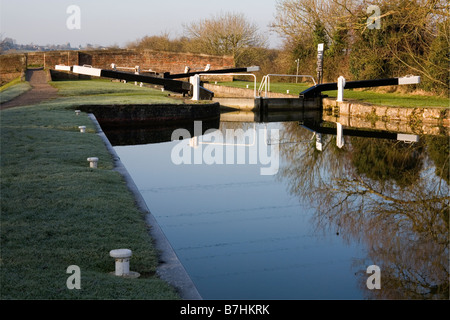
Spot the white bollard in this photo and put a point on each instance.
(122, 263)
(122, 257)
(82, 129)
(93, 162)
(341, 85)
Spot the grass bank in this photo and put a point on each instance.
(107, 92)
(13, 89)
(367, 95)
(57, 212)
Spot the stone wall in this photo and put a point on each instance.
(433, 115)
(423, 120)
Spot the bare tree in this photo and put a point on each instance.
(413, 38)
(296, 18)
(161, 42)
(225, 34)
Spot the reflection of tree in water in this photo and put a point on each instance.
(438, 148)
(386, 160)
(387, 194)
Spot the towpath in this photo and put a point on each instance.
(40, 90)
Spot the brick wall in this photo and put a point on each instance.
(12, 65)
(49, 59)
(158, 61)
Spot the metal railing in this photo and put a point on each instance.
(234, 74)
(265, 82)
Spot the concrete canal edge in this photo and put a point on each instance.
(171, 270)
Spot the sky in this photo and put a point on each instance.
(118, 22)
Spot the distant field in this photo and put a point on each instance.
(369, 96)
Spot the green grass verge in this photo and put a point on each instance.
(107, 92)
(11, 83)
(13, 89)
(57, 212)
(393, 99)
(367, 96)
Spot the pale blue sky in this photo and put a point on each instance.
(108, 22)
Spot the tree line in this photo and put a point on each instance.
(362, 40)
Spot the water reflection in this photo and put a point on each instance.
(299, 234)
(388, 194)
(128, 135)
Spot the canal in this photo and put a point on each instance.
(274, 209)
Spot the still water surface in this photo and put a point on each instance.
(308, 230)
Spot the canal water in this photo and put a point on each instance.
(277, 210)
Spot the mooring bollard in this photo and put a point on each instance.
(122, 257)
(93, 162)
(77, 112)
(82, 129)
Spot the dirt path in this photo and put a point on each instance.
(40, 90)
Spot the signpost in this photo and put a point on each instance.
(320, 63)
